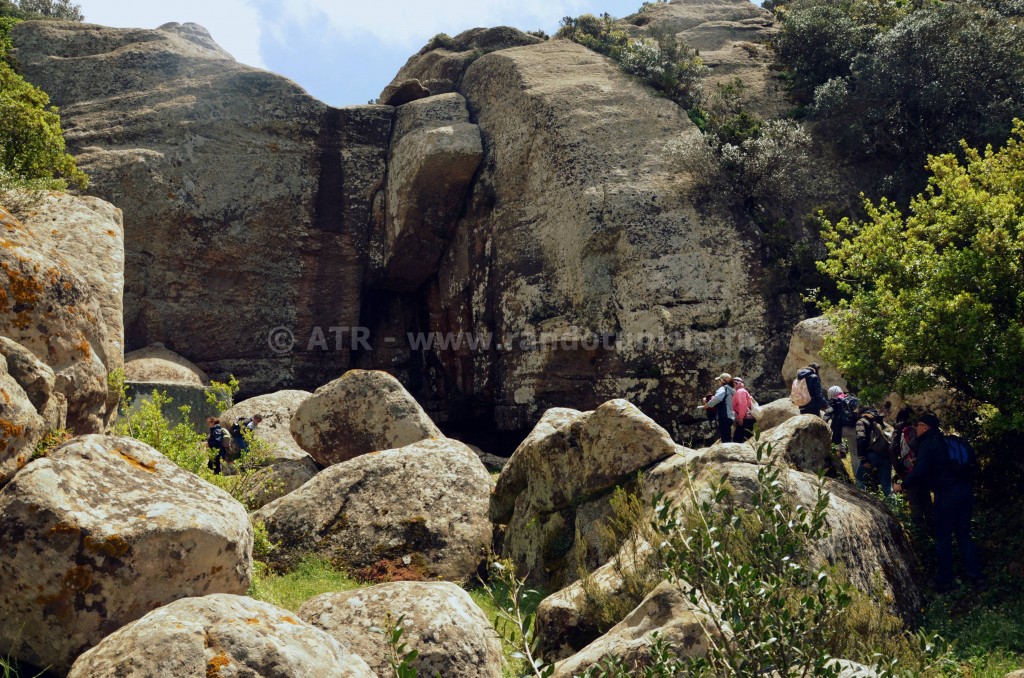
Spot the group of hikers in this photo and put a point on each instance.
(926, 460)
(222, 442)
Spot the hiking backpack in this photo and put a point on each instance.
(880, 438)
(799, 393)
(960, 456)
(848, 411)
(236, 428)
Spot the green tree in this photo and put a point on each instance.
(938, 293)
(61, 10)
(32, 148)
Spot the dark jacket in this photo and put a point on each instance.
(215, 441)
(865, 424)
(818, 400)
(931, 465)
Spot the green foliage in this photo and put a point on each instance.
(515, 607)
(32, 150)
(262, 546)
(440, 41)
(51, 440)
(311, 577)
(220, 395)
(661, 61)
(936, 294)
(60, 10)
(400, 657)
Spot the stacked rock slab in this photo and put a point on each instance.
(61, 280)
(440, 621)
(247, 202)
(102, 531)
(420, 509)
(219, 635)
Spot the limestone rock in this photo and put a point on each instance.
(777, 412)
(21, 427)
(559, 480)
(442, 623)
(362, 411)
(247, 202)
(434, 156)
(423, 507)
(157, 364)
(666, 611)
(219, 635)
(404, 92)
(102, 531)
(61, 282)
(805, 442)
(439, 66)
(805, 348)
(38, 381)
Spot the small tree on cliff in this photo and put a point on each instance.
(941, 287)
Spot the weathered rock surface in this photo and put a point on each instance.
(558, 483)
(453, 637)
(61, 280)
(38, 381)
(219, 169)
(289, 466)
(578, 229)
(362, 411)
(102, 531)
(155, 364)
(218, 636)
(21, 427)
(439, 67)
(434, 154)
(805, 348)
(805, 443)
(776, 413)
(423, 506)
(666, 611)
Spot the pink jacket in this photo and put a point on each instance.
(741, 403)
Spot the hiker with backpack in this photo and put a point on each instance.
(873, 441)
(945, 465)
(239, 428)
(722, 403)
(841, 416)
(219, 443)
(744, 405)
(904, 454)
(806, 392)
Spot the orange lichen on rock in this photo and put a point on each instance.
(148, 466)
(113, 545)
(215, 664)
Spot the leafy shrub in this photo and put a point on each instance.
(939, 287)
(311, 577)
(60, 10)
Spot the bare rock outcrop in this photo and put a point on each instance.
(219, 168)
(361, 411)
(102, 531)
(21, 427)
(805, 348)
(219, 635)
(156, 364)
(776, 413)
(38, 381)
(61, 279)
(421, 507)
(452, 636)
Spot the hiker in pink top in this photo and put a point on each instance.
(742, 404)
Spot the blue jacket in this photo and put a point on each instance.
(931, 465)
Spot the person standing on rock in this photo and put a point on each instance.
(842, 418)
(946, 466)
(217, 442)
(807, 393)
(742, 405)
(722, 403)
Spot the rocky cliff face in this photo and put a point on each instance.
(536, 200)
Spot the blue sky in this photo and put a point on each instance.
(340, 51)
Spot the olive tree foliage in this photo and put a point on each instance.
(937, 293)
(897, 81)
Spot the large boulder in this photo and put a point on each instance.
(218, 636)
(38, 381)
(157, 368)
(559, 480)
(435, 153)
(288, 465)
(61, 281)
(805, 443)
(438, 67)
(421, 508)
(248, 202)
(666, 614)
(805, 347)
(452, 636)
(102, 531)
(777, 412)
(362, 411)
(21, 427)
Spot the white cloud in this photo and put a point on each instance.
(404, 23)
(234, 24)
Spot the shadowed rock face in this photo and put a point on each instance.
(247, 202)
